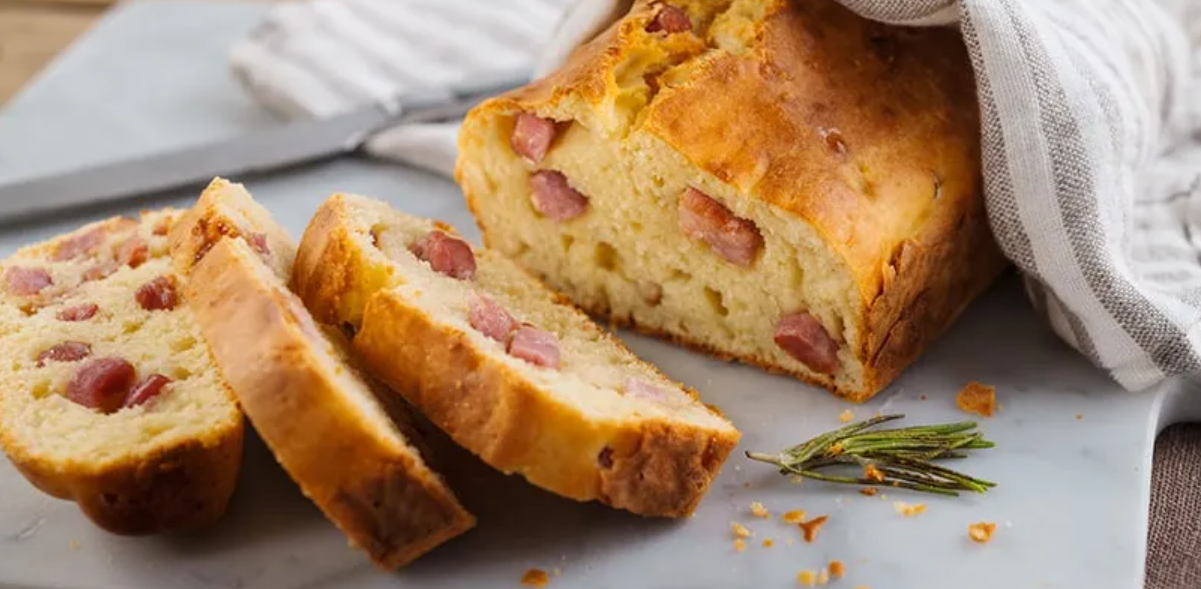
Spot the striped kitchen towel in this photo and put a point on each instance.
(1091, 131)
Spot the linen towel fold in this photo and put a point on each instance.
(1091, 115)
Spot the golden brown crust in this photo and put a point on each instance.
(898, 194)
(650, 467)
(179, 488)
(226, 209)
(376, 489)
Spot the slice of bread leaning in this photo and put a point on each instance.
(776, 181)
(108, 394)
(300, 389)
(499, 362)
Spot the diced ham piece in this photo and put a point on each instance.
(65, 352)
(163, 226)
(258, 242)
(637, 387)
(150, 387)
(804, 338)
(554, 198)
(75, 246)
(27, 281)
(491, 319)
(80, 312)
(536, 346)
(671, 19)
(532, 136)
(446, 255)
(133, 252)
(737, 240)
(100, 271)
(102, 384)
(157, 295)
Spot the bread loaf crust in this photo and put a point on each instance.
(900, 202)
(176, 489)
(655, 467)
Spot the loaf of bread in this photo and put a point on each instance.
(779, 182)
(510, 372)
(297, 384)
(108, 395)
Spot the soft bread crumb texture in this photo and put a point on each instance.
(35, 414)
(572, 429)
(851, 154)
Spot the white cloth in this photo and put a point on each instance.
(1091, 132)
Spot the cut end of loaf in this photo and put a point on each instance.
(736, 181)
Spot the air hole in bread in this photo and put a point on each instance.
(715, 302)
(522, 248)
(605, 457)
(376, 230)
(678, 275)
(606, 256)
(41, 389)
(567, 242)
(937, 186)
(183, 344)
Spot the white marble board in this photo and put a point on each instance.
(1073, 494)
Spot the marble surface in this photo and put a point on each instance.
(1073, 456)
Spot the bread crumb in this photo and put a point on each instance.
(758, 510)
(908, 510)
(739, 545)
(768, 542)
(871, 473)
(535, 578)
(977, 398)
(862, 587)
(869, 491)
(883, 495)
(922, 397)
(740, 531)
(810, 528)
(795, 516)
(837, 569)
(981, 532)
(806, 578)
(846, 416)
(823, 578)
(73, 544)
(556, 571)
(1079, 417)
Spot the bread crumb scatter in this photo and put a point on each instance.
(535, 578)
(806, 578)
(981, 532)
(977, 398)
(846, 416)
(871, 473)
(837, 569)
(739, 545)
(795, 516)
(740, 531)
(768, 542)
(869, 491)
(908, 510)
(810, 528)
(758, 510)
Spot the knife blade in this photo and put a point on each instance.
(262, 151)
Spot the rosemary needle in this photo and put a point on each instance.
(900, 458)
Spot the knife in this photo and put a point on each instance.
(262, 151)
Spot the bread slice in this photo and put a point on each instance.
(781, 182)
(86, 410)
(300, 389)
(601, 425)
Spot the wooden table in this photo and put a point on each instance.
(32, 32)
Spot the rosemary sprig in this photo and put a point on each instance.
(900, 458)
